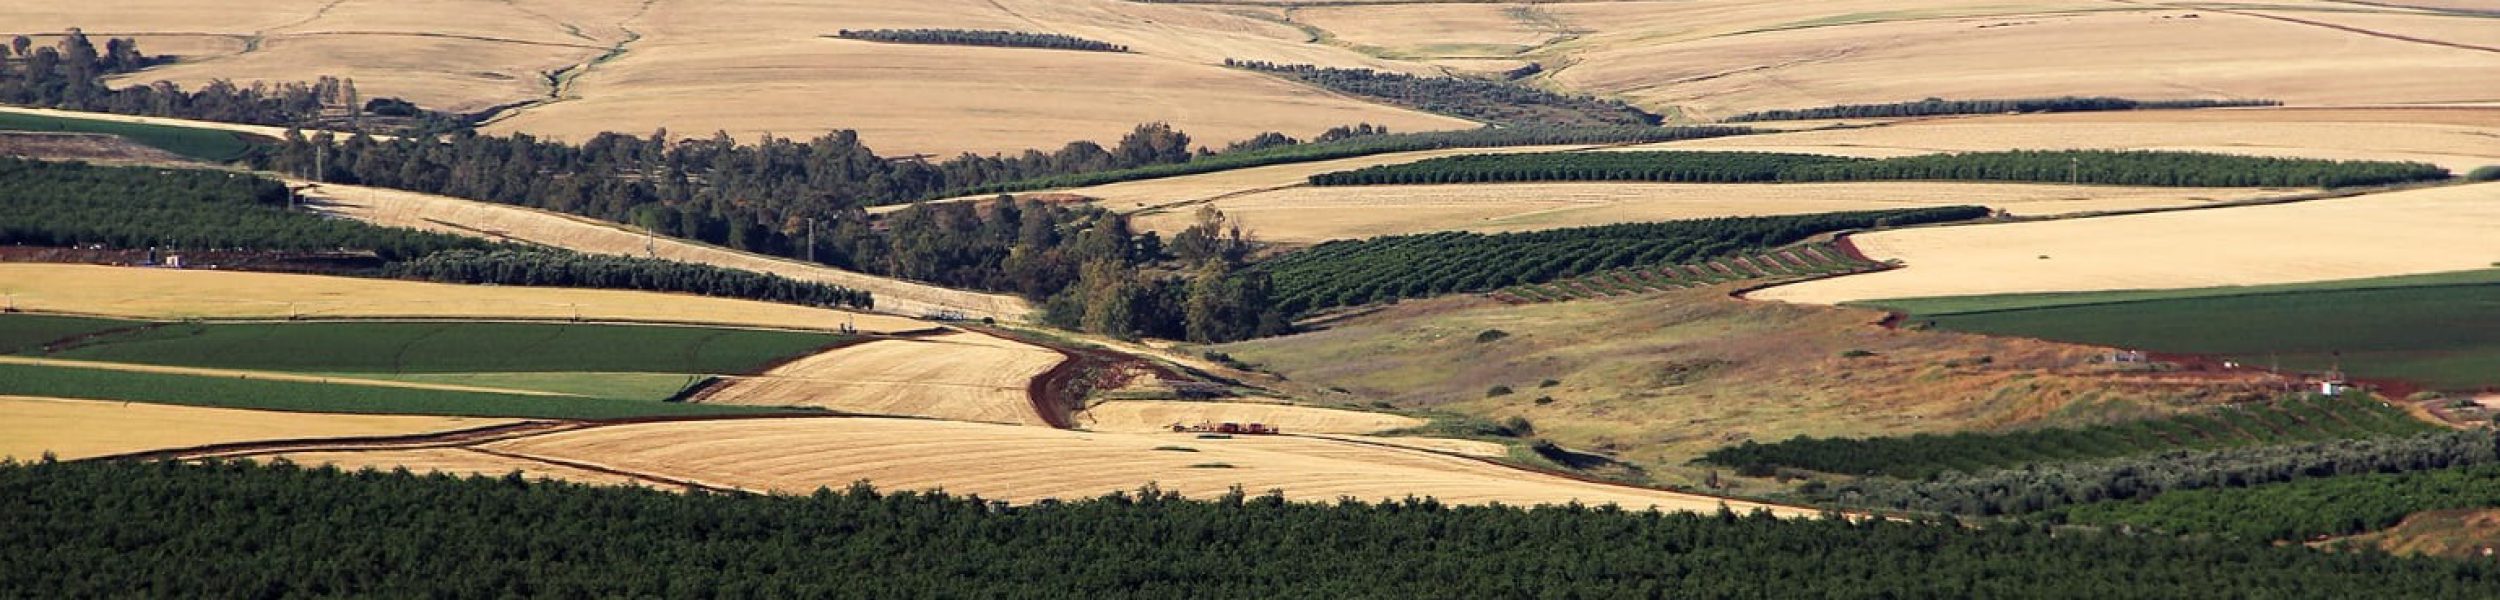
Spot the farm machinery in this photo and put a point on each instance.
(1227, 428)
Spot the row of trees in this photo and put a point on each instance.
(2040, 487)
(2301, 510)
(1365, 140)
(1493, 102)
(2185, 169)
(2309, 417)
(1666, 167)
(981, 37)
(556, 268)
(1355, 272)
(1940, 106)
(75, 204)
(70, 75)
(174, 529)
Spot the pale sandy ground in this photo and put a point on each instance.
(1030, 463)
(2397, 233)
(263, 375)
(150, 293)
(1315, 214)
(74, 429)
(957, 376)
(2458, 139)
(1151, 416)
(505, 222)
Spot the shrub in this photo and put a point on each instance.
(1548, 383)
(2484, 173)
(1857, 353)
(1497, 391)
(1490, 335)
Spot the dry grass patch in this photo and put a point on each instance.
(461, 462)
(73, 429)
(956, 376)
(2396, 233)
(1658, 379)
(1149, 416)
(1134, 196)
(172, 294)
(1030, 463)
(511, 223)
(1314, 214)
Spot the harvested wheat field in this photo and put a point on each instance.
(2395, 233)
(1148, 194)
(453, 461)
(512, 223)
(148, 293)
(1315, 214)
(1825, 59)
(72, 429)
(1147, 416)
(957, 376)
(2456, 138)
(945, 100)
(1024, 464)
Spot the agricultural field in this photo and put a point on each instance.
(2455, 138)
(2406, 232)
(143, 293)
(313, 395)
(2296, 420)
(183, 142)
(955, 376)
(2440, 331)
(74, 429)
(1149, 416)
(1022, 464)
(501, 222)
(1307, 215)
(1658, 379)
(444, 347)
(1801, 261)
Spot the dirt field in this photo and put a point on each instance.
(74, 429)
(2456, 138)
(1315, 214)
(1030, 463)
(504, 222)
(2397, 233)
(1150, 416)
(2464, 534)
(956, 376)
(167, 293)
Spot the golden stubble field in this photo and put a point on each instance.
(957, 376)
(2395, 233)
(2457, 138)
(445, 214)
(1030, 463)
(1316, 214)
(150, 293)
(73, 429)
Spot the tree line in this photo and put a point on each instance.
(2113, 167)
(558, 268)
(1940, 106)
(76, 204)
(172, 529)
(70, 76)
(1492, 102)
(2309, 417)
(980, 37)
(1355, 272)
(2038, 487)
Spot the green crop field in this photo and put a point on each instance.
(23, 332)
(203, 144)
(2441, 331)
(226, 392)
(450, 347)
(2298, 420)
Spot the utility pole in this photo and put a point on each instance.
(2074, 168)
(811, 239)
